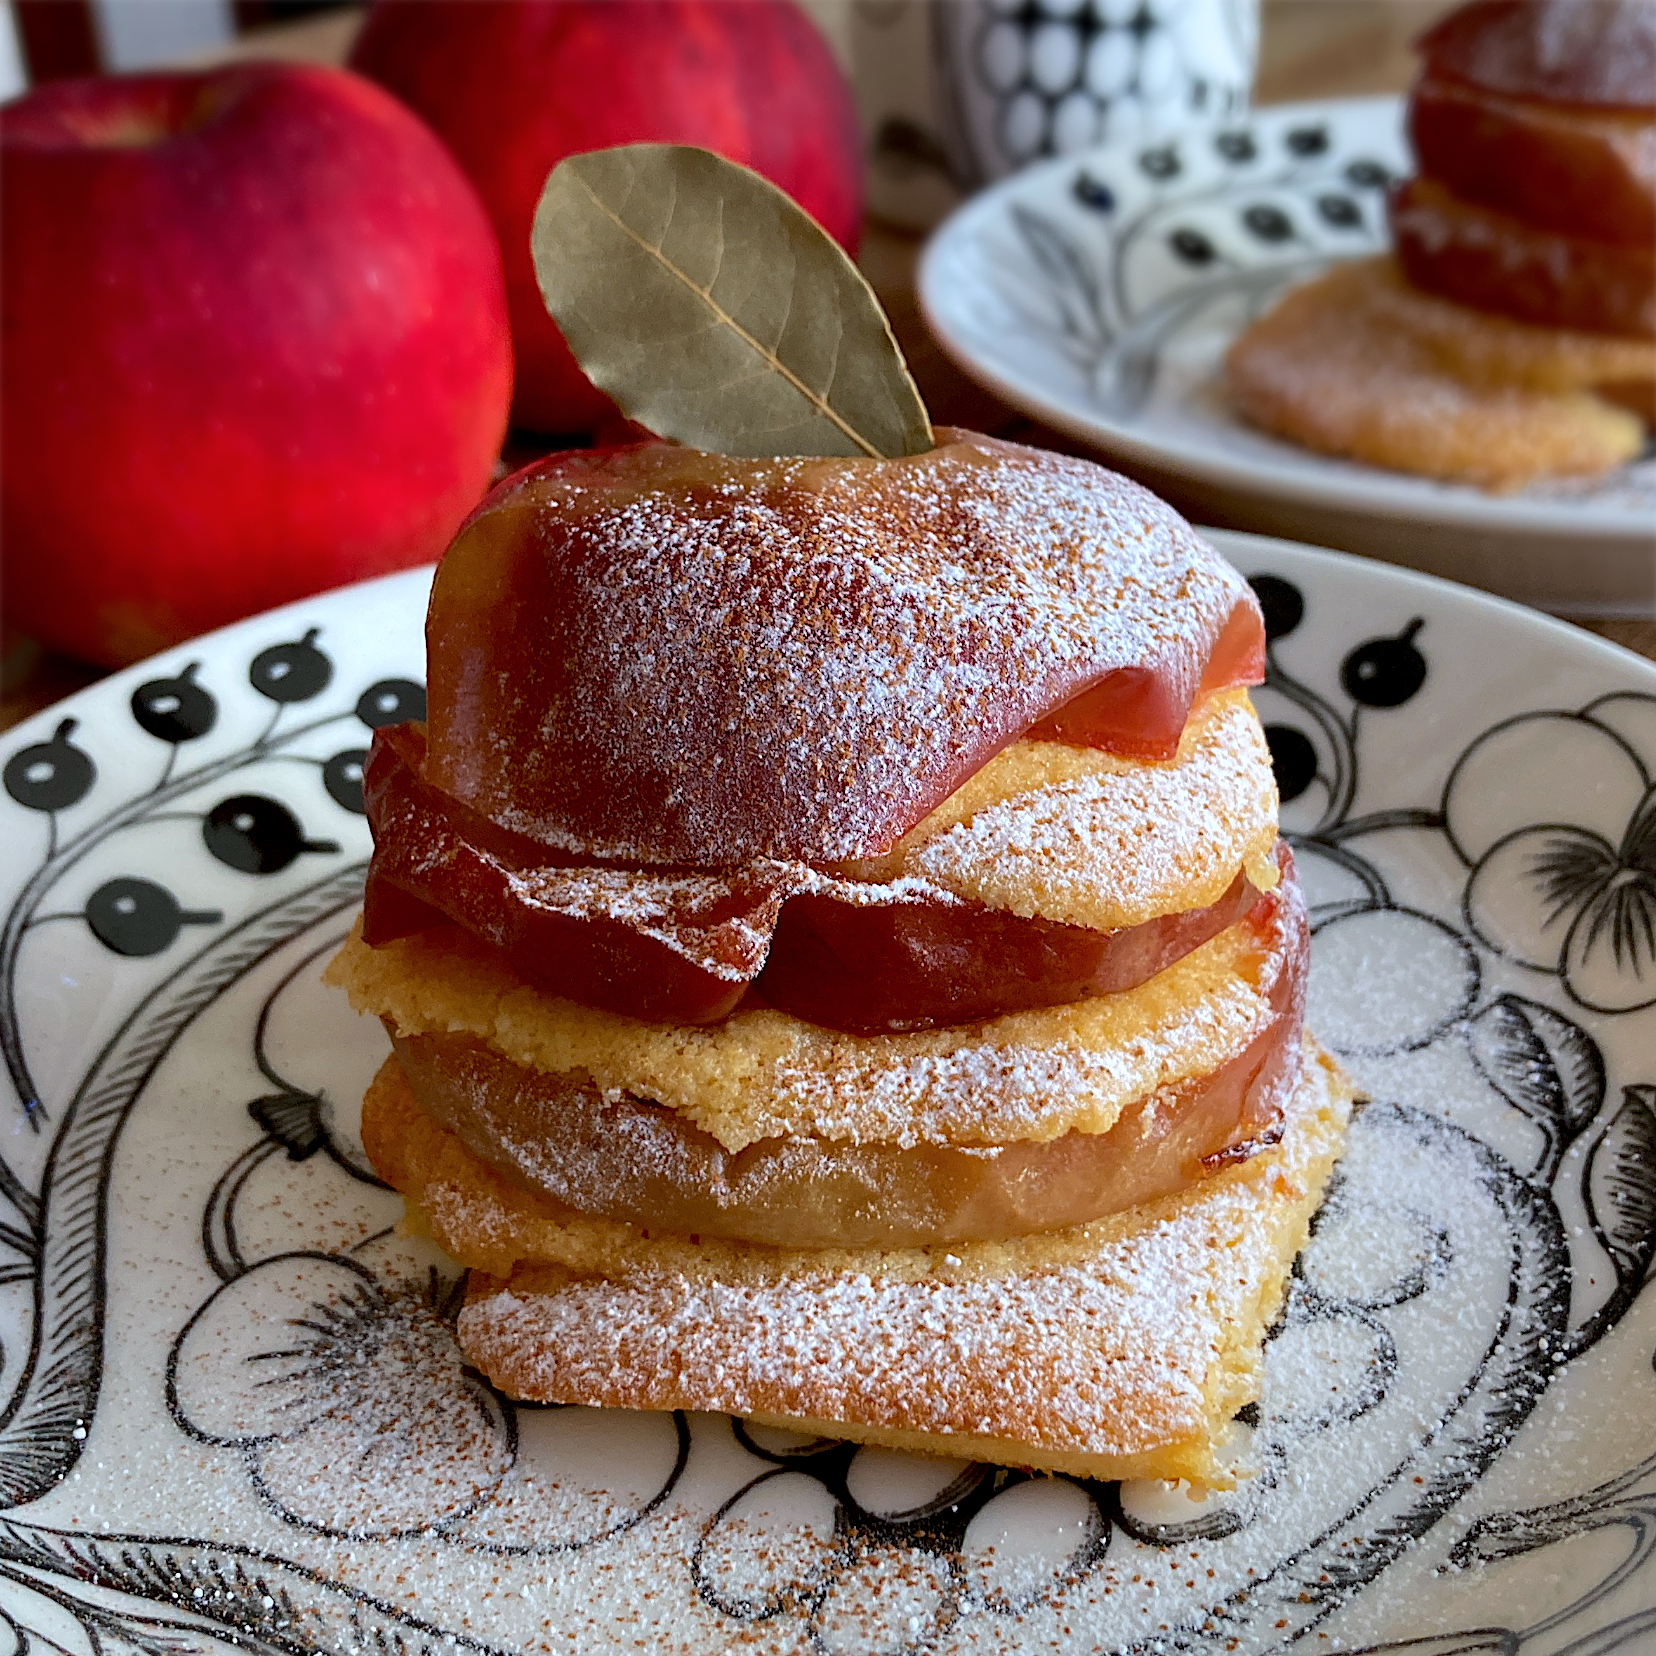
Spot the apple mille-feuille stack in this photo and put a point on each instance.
(839, 958)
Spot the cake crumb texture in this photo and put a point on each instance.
(1029, 1075)
(1079, 836)
(1351, 365)
(1119, 1350)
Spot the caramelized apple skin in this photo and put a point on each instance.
(1494, 262)
(1582, 172)
(434, 861)
(656, 657)
(1601, 55)
(639, 1163)
(898, 966)
(1129, 711)
(863, 967)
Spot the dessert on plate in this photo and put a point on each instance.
(840, 962)
(1511, 335)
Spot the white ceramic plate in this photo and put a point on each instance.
(233, 1414)
(1098, 292)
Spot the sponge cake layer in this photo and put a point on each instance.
(1117, 1350)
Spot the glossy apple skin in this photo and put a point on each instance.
(436, 862)
(1492, 261)
(625, 1158)
(801, 657)
(871, 969)
(254, 346)
(513, 86)
(866, 968)
(1580, 172)
(1599, 55)
(639, 1164)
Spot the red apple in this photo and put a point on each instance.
(513, 86)
(255, 344)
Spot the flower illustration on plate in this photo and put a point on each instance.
(1555, 815)
(870, 1549)
(347, 1396)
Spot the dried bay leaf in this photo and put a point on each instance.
(715, 311)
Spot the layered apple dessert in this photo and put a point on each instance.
(1511, 334)
(839, 959)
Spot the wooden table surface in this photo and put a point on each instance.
(1308, 49)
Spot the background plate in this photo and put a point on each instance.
(1098, 292)
(234, 1416)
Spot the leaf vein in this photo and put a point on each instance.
(705, 294)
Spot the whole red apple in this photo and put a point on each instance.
(513, 86)
(254, 345)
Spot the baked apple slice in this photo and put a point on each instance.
(629, 1159)
(1578, 171)
(653, 656)
(689, 946)
(1493, 261)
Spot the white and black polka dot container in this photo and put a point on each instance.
(958, 93)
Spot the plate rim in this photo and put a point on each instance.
(136, 672)
(1557, 628)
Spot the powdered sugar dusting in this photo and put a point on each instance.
(1143, 1346)
(1045, 830)
(723, 926)
(1331, 370)
(798, 658)
(762, 1074)
(1112, 848)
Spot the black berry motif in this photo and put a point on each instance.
(1192, 246)
(1161, 163)
(1293, 759)
(139, 917)
(1379, 672)
(50, 776)
(1269, 224)
(1287, 187)
(391, 701)
(353, 1353)
(1093, 192)
(1368, 175)
(342, 777)
(1340, 211)
(1385, 672)
(256, 835)
(291, 672)
(1307, 141)
(1281, 602)
(174, 709)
